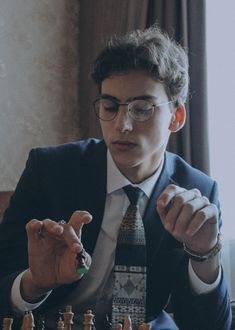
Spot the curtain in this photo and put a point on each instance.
(98, 20)
(184, 20)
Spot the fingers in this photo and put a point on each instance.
(170, 202)
(184, 212)
(183, 208)
(78, 219)
(37, 229)
(72, 230)
(207, 214)
(69, 232)
(127, 323)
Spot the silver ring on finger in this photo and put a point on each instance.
(62, 222)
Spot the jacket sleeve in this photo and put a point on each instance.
(13, 237)
(205, 311)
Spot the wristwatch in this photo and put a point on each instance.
(203, 257)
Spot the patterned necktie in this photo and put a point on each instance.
(129, 293)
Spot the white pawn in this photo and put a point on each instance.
(7, 323)
(68, 317)
(88, 320)
(60, 324)
(28, 321)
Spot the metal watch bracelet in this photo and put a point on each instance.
(203, 257)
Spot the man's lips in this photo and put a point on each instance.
(123, 145)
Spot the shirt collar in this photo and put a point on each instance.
(116, 180)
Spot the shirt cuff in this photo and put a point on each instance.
(197, 285)
(19, 305)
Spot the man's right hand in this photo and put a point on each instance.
(52, 249)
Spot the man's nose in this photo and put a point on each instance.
(123, 121)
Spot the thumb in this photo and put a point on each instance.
(162, 208)
(33, 229)
(78, 219)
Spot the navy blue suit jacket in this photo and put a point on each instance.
(58, 180)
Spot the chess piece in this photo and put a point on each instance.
(82, 267)
(145, 326)
(40, 323)
(7, 323)
(60, 324)
(28, 321)
(68, 317)
(88, 320)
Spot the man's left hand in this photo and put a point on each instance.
(189, 217)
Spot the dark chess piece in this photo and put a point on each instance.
(40, 323)
(103, 323)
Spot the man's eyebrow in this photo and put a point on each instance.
(142, 97)
(139, 97)
(107, 96)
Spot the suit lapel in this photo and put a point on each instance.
(94, 193)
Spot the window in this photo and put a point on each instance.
(221, 102)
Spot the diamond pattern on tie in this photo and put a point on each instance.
(129, 293)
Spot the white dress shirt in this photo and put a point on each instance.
(93, 286)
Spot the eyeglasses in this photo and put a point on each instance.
(139, 110)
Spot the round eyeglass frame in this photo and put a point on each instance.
(154, 106)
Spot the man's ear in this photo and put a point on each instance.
(178, 119)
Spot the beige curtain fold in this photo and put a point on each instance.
(184, 20)
(98, 21)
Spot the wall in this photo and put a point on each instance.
(38, 79)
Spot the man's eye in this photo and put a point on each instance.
(110, 109)
(108, 106)
(142, 110)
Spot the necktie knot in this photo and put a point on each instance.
(134, 194)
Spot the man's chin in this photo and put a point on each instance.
(125, 161)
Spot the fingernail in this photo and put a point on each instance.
(189, 232)
(76, 245)
(168, 226)
(161, 203)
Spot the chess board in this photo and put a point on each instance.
(65, 322)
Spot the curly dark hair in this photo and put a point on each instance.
(151, 50)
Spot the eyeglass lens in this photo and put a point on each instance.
(139, 110)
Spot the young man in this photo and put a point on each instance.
(143, 83)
